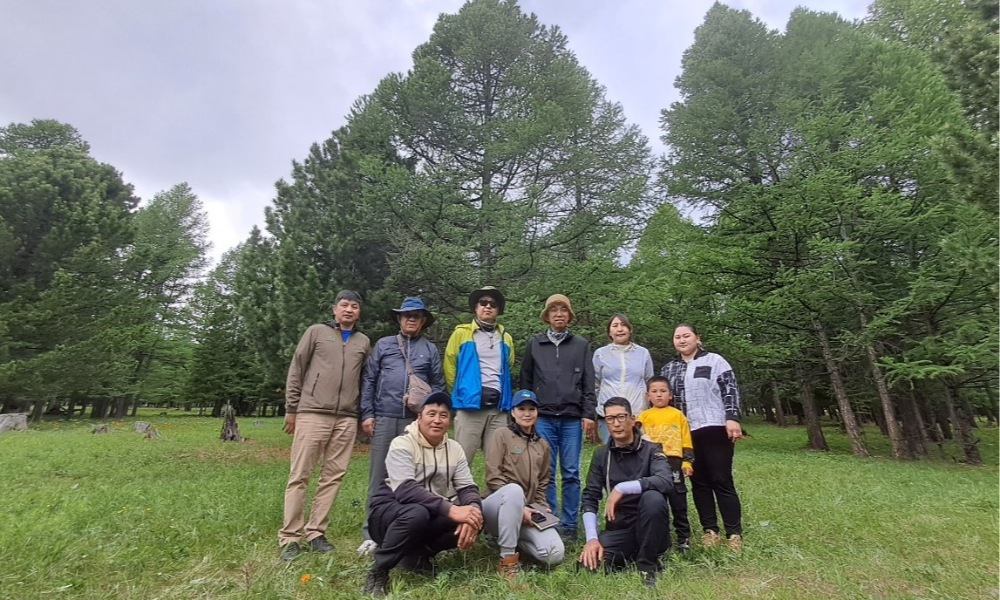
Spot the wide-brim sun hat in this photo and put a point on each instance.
(487, 290)
(414, 304)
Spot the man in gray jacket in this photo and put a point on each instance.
(383, 411)
(321, 412)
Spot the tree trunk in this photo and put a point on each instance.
(991, 396)
(970, 446)
(38, 409)
(913, 425)
(779, 410)
(70, 407)
(135, 406)
(879, 419)
(846, 412)
(814, 428)
(899, 450)
(230, 428)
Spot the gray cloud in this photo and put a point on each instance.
(225, 94)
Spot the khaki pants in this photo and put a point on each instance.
(317, 438)
(475, 428)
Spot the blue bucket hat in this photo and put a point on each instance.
(414, 304)
(522, 396)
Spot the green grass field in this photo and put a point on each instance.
(187, 516)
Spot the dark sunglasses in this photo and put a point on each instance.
(489, 303)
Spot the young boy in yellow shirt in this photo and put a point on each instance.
(668, 427)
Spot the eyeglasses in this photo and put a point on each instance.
(488, 303)
(617, 418)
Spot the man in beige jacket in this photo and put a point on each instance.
(321, 412)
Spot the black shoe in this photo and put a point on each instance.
(569, 536)
(648, 578)
(683, 545)
(376, 583)
(417, 563)
(290, 550)
(320, 544)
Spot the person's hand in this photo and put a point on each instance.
(466, 536)
(526, 515)
(592, 554)
(469, 515)
(734, 430)
(589, 427)
(609, 508)
(688, 471)
(289, 427)
(368, 426)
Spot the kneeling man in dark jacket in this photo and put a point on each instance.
(636, 475)
(427, 503)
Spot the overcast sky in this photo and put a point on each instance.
(224, 94)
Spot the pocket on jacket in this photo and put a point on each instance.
(703, 372)
(312, 390)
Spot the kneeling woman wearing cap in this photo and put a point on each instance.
(517, 474)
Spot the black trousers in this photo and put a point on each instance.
(678, 500)
(644, 539)
(712, 481)
(408, 530)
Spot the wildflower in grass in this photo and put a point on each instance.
(305, 579)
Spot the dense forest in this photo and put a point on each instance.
(826, 213)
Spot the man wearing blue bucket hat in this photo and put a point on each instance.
(386, 383)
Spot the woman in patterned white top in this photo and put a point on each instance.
(621, 369)
(706, 391)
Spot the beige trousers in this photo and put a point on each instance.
(475, 428)
(318, 438)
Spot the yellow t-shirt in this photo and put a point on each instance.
(668, 427)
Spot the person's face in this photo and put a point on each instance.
(433, 422)
(410, 323)
(659, 394)
(347, 312)
(525, 415)
(558, 316)
(619, 332)
(487, 309)
(619, 424)
(685, 341)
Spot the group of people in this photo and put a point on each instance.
(657, 431)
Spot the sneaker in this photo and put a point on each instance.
(683, 545)
(367, 548)
(510, 567)
(569, 536)
(735, 542)
(376, 583)
(320, 544)
(290, 550)
(648, 578)
(710, 539)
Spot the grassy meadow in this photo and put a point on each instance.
(187, 516)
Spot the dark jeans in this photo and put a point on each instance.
(643, 538)
(678, 501)
(408, 530)
(386, 430)
(713, 481)
(565, 438)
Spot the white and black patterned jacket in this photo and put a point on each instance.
(705, 389)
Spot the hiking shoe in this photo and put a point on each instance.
(290, 550)
(683, 545)
(367, 548)
(320, 544)
(376, 583)
(648, 578)
(710, 539)
(510, 567)
(735, 542)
